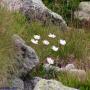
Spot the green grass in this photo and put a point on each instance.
(72, 81)
(78, 41)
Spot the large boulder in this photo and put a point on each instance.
(35, 10)
(27, 84)
(51, 85)
(25, 57)
(83, 13)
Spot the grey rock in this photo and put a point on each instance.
(12, 5)
(51, 85)
(35, 10)
(25, 56)
(27, 84)
(18, 84)
(84, 11)
(30, 84)
(35, 80)
(69, 67)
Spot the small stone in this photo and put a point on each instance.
(69, 67)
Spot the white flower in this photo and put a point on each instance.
(37, 37)
(50, 60)
(54, 48)
(46, 42)
(62, 42)
(34, 41)
(52, 35)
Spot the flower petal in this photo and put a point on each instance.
(37, 37)
(54, 48)
(46, 42)
(50, 60)
(34, 41)
(52, 35)
(62, 42)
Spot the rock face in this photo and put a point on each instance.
(18, 84)
(30, 84)
(12, 5)
(25, 57)
(27, 84)
(25, 60)
(35, 10)
(83, 14)
(51, 85)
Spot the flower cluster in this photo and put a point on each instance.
(36, 39)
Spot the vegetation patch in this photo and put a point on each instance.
(77, 44)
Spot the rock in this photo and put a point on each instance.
(85, 6)
(69, 67)
(35, 10)
(25, 60)
(83, 14)
(12, 5)
(27, 84)
(30, 84)
(35, 80)
(18, 84)
(51, 85)
(25, 57)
